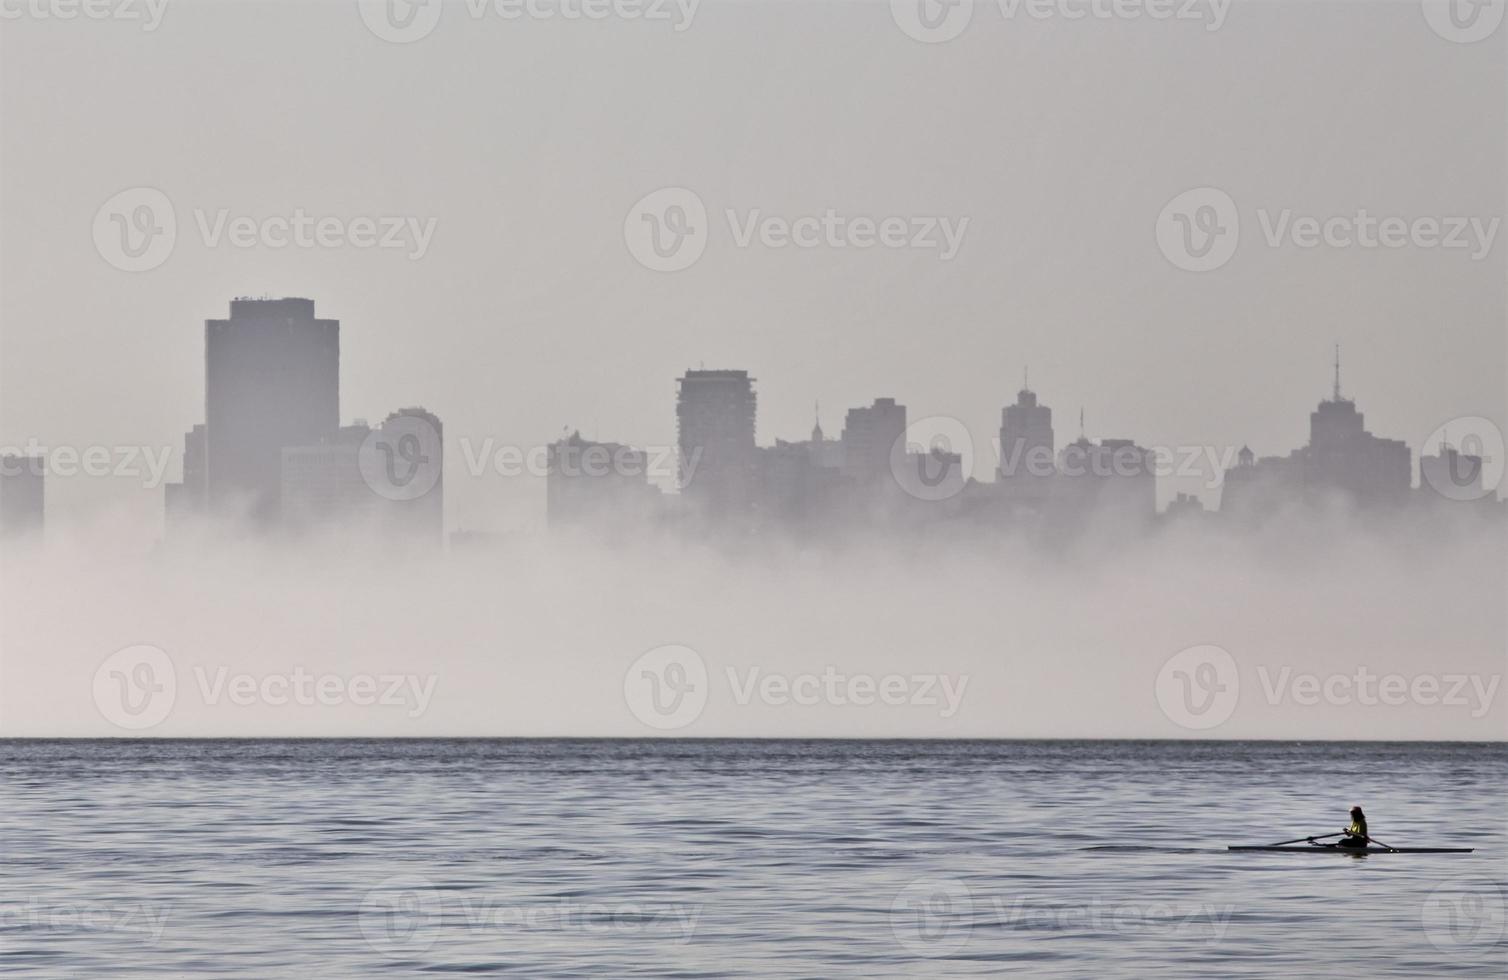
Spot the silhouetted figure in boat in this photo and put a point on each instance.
(1356, 834)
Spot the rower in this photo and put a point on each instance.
(1356, 834)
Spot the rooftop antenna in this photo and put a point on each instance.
(1337, 372)
(1081, 421)
(1026, 378)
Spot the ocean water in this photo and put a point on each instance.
(749, 858)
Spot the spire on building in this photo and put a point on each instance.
(817, 421)
(1337, 372)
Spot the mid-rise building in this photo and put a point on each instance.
(874, 442)
(386, 481)
(186, 501)
(601, 487)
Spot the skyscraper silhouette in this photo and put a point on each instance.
(272, 380)
(715, 425)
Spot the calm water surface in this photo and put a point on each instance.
(717, 858)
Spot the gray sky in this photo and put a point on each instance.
(528, 141)
(1068, 146)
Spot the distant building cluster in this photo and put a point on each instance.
(875, 475)
(272, 453)
(871, 475)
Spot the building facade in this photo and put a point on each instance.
(715, 413)
(272, 380)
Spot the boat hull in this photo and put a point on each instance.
(1336, 849)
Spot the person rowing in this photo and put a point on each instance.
(1356, 834)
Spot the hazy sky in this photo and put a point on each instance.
(528, 141)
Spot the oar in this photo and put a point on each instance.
(1300, 840)
(1379, 843)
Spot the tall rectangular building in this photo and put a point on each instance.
(715, 425)
(272, 380)
(1026, 448)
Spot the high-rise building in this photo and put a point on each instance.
(1343, 456)
(874, 443)
(22, 493)
(715, 425)
(272, 380)
(1342, 459)
(322, 483)
(1026, 448)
